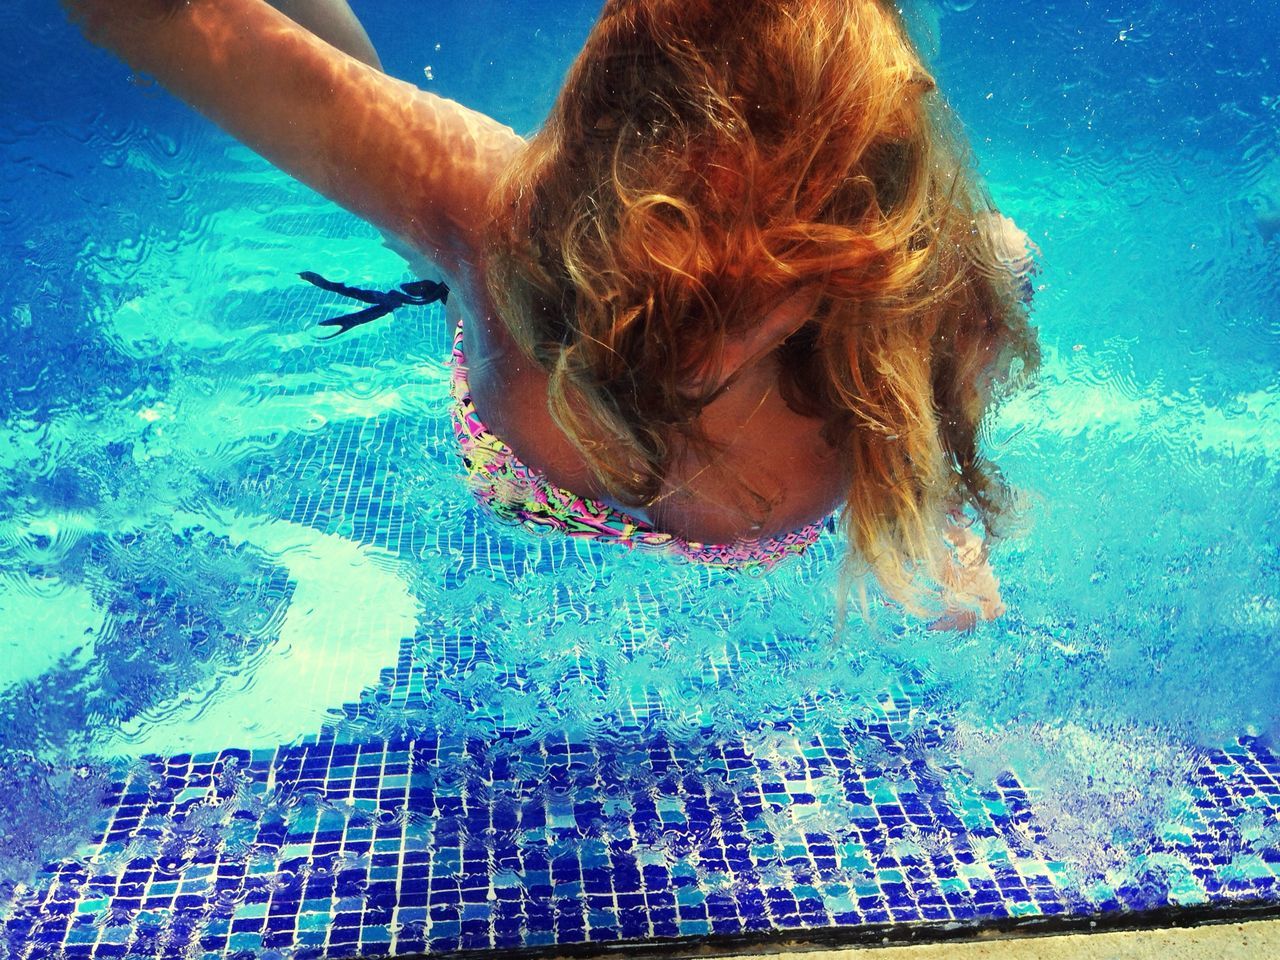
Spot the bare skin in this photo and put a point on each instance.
(333, 21)
(420, 168)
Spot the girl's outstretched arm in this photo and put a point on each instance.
(417, 166)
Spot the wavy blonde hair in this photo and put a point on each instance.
(705, 161)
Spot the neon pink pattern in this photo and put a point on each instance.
(519, 494)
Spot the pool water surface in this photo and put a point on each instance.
(271, 681)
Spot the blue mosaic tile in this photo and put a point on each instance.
(410, 859)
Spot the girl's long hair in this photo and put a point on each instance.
(705, 161)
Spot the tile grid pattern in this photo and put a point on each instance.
(342, 849)
(345, 846)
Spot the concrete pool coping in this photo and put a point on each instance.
(1228, 941)
(1247, 940)
(1244, 931)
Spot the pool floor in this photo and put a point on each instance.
(419, 817)
(339, 847)
(388, 828)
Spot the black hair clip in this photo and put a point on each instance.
(419, 293)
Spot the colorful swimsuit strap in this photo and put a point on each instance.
(520, 494)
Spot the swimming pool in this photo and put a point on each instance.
(272, 682)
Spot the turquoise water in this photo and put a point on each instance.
(216, 531)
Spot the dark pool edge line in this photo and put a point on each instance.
(882, 934)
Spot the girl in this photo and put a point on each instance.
(741, 277)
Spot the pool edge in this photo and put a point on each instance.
(871, 936)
